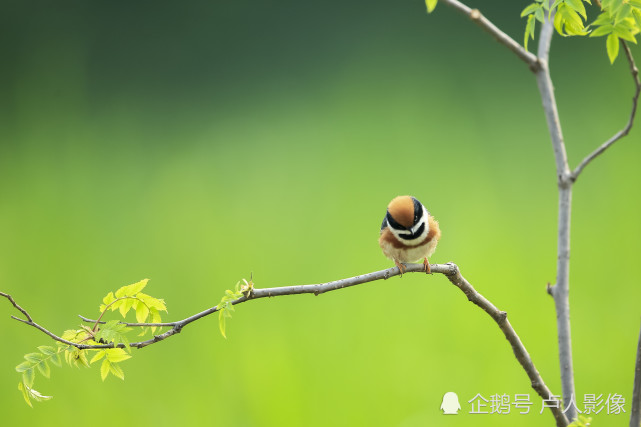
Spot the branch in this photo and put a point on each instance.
(545, 38)
(546, 89)
(521, 354)
(635, 413)
(626, 129)
(450, 270)
(15, 304)
(475, 15)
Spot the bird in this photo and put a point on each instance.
(408, 233)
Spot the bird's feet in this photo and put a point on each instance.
(426, 263)
(401, 268)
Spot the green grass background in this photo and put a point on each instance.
(196, 142)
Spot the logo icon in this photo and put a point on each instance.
(450, 405)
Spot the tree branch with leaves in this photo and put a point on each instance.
(620, 21)
(108, 340)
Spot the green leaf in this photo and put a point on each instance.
(558, 22)
(613, 5)
(431, 4)
(116, 304)
(126, 306)
(612, 45)
(24, 366)
(28, 376)
(44, 369)
(47, 349)
(138, 286)
(131, 290)
(142, 311)
(602, 31)
(150, 301)
(624, 34)
(530, 9)
(34, 357)
(99, 355)
(108, 299)
(578, 6)
(635, 3)
(623, 12)
(636, 14)
(155, 318)
(221, 322)
(55, 359)
(82, 358)
(603, 18)
(25, 393)
(572, 22)
(37, 396)
(125, 341)
(104, 369)
(117, 371)
(115, 355)
(571, 19)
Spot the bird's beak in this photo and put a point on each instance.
(415, 228)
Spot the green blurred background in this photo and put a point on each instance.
(196, 142)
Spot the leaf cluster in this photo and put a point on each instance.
(226, 305)
(37, 362)
(129, 298)
(618, 20)
(126, 299)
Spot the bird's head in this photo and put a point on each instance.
(407, 219)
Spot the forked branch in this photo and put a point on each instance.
(450, 270)
(626, 129)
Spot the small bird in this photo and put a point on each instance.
(408, 232)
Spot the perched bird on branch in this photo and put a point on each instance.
(408, 232)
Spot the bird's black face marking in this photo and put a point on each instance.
(395, 225)
(412, 236)
(418, 211)
(384, 224)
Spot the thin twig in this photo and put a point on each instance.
(626, 129)
(450, 270)
(43, 329)
(102, 322)
(635, 412)
(15, 304)
(475, 15)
